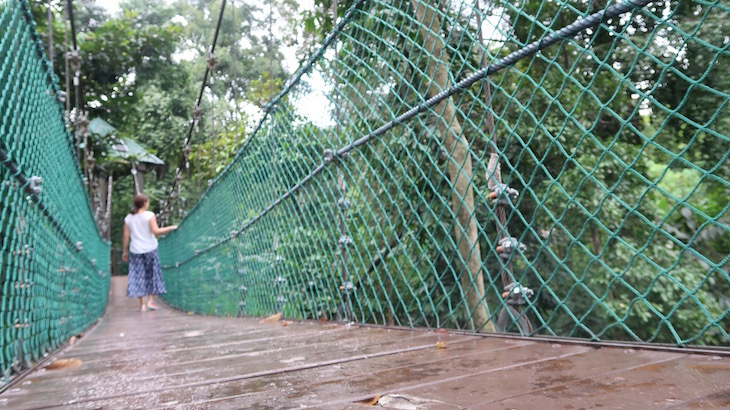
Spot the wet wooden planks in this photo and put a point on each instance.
(167, 359)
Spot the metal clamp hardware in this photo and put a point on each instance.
(329, 155)
(35, 184)
(508, 245)
(343, 203)
(345, 241)
(502, 194)
(348, 287)
(516, 294)
(74, 60)
(79, 246)
(332, 155)
(197, 113)
(212, 61)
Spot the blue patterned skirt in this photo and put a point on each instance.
(145, 275)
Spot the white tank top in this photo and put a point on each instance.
(143, 240)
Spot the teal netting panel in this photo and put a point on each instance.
(578, 191)
(54, 266)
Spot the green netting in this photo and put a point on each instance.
(54, 266)
(364, 193)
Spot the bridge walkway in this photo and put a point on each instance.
(169, 359)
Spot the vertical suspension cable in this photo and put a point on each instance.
(494, 178)
(235, 75)
(50, 35)
(279, 282)
(212, 120)
(346, 286)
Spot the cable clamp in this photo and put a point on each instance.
(348, 287)
(212, 61)
(329, 156)
(516, 294)
(343, 203)
(74, 59)
(79, 246)
(83, 123)
(197, 113)
(35, 184)
(508, 245)
(345, 241)
(502, 194)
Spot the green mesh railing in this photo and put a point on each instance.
(54, 266)
(366, 192)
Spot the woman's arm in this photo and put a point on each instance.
(160, 231)
(125, 243)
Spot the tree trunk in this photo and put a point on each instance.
(460, 171)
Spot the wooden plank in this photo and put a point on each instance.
(168, 359)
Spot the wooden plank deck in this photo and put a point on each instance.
(167, 359)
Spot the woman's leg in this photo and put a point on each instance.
(135, 287)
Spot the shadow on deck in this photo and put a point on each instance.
(166, 359)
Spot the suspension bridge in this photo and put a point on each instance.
(505, 206)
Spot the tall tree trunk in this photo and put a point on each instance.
(460, 170)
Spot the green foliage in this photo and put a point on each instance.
(623, 204)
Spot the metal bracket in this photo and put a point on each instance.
(345, 241)
(508, 245)
(516, 294)
(343, 203)
(212, 61)
(502, 194)
(35, 184)
(74, 60)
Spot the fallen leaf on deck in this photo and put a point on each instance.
(371, 401)
(272, 319)
(63, 364)
(441, 345)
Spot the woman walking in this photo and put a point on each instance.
(145, 273)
